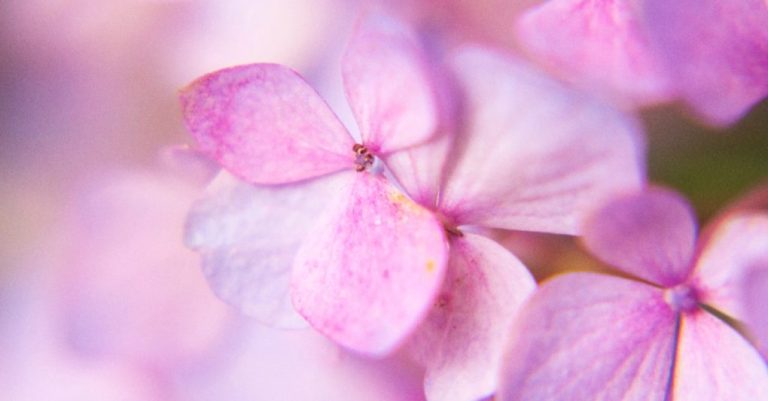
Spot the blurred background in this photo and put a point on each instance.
(92, 202)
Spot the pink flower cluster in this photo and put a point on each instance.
(384, 238)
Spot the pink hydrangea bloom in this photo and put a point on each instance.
(532, 156)
(710, 53)
(373, 245)
(650, 336)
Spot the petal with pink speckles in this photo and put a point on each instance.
(388, 84)
(715, 363)
(597, 337)
(370, 273)
(264, 124)
(534, 154)
(649, 234)
(597, 44)
(249, 235)
(717, 52)
(737, 245)
(462, 339)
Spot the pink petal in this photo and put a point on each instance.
(368, 276)
(717, 51)
(737, 244)
(597, 44)
(388, 84)
(715, 363)
(756, 302)
(263, 123)
(587, 336)
(463, 337)
(420, 169)
(535, 154)
(648, 234)
(249, 236)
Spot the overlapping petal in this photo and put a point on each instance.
(649, 234)
(715, 363)
(369, 274)
(587, 336)
(535, 154)
(736, 246)
(600, 45)
(462, 339)
(266, 125)
(716, 50)
(249, 235)
(389, 85)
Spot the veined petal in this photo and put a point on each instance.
(737, 245)
(587, 336)
(370, 273)
(648, 234)
(535, 154)
(389, 86)
(463, 337)
(249, 235)
(597, 44)
(420, 169)
(264, 124)
(715, 363)
(717, 52)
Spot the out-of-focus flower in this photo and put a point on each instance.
(366, 273)
(711, 54)
(129, 289)
(652, 337)
(532, 156)
(35, 361)
(270, 364)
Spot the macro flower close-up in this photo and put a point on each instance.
(414, 200)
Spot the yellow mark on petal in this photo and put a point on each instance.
(399, 199)
(430, 266)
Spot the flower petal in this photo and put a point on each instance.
(737, 245)
(264, 124)
(715, 363)
(535, 153)
(368, 275)
(389, 86)
(649, 234)
(597, 44)
(420, 169)
(462, 339)
(756, 302)
(249, 236)
(597, 337)
(717, 51)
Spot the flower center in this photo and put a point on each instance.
(682, 298)
(363, 157)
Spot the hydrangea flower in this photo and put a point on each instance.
(264, 124)
(531, 156)
(659, 333)
(710, 53)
